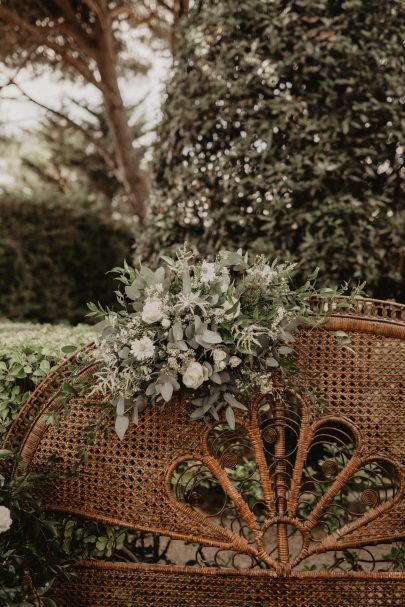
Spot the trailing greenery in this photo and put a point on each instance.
(54, 259)
(45, 545)
(282, 134)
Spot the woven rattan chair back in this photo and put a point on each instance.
(307, 477)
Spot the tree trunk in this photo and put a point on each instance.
(128, 159)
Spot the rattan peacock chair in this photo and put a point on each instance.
(298, 506)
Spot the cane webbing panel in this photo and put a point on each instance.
(137, 586)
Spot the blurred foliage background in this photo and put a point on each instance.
(281, 131)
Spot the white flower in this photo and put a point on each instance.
(262, 275)
(220, 365)
(165, 323)
(268, 273)
(218, 355)
(207, 272)
(279, 316)
(234, 361)
(152, 311)
(142, 348)
(5, 519)
(229, 305)
(195, 375)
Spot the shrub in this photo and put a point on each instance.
(28, 352)
(54, 259)
(282, 134)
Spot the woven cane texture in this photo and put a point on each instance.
(367, 387)
(137, 586)
(290, 483)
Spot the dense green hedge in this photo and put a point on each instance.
(282, 133)
(54, 259)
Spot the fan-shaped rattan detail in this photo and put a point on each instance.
(332, 477)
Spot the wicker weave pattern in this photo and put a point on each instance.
(133, 482)
(138, 586)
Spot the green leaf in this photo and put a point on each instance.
(230, 417)
(68, 349)
(121, 425)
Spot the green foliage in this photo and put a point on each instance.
(219, 328)
(44, 544)
(31, 545)
(54, 259)
(28, 352)
(397, 557)
(281, 133)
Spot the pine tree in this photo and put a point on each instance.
(281, 134)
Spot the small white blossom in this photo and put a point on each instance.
(234, 361)
(5, 519)
(152, 311)
(218, 355)
(279, 316)
(265, 383)
(165, 323)
(207, 272)
(142, 348)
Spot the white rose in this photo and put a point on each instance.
(218, 355)
(234, 361)
(5, 519)
(194, 375)
(229, 304)
(152, 311)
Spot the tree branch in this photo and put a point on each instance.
(13, 19)
(71, 25)
(101, 13)
(129, 554)
(108, 158)
(20, 66)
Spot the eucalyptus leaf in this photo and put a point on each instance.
(121, 425)
(230, 417)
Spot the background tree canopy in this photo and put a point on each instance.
(282, 133)
(83, 38)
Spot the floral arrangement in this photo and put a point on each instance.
(215, 329)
